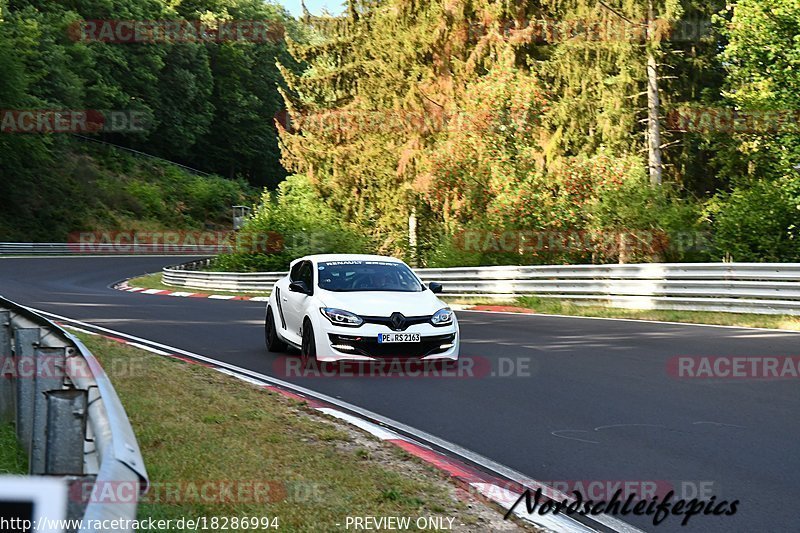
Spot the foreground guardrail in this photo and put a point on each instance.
(764, 288)
(68, 417)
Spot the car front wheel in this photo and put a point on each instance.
(308, 351)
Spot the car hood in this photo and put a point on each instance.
(383, 303)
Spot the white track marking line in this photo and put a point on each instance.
(238, 376)
(369, 427)
(533, 315)
(148, 348)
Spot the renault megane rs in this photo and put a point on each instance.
(359, 307)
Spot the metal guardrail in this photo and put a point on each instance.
(35, 248)
(123, 248)
(191, 275)
(764, 288)
(67, 416)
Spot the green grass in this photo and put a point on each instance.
(474, 301)
(195, 425)
(153, 281)
(562, 307)
(12, 456)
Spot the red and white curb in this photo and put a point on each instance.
(124, 286)
(471, 482)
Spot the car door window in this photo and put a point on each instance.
(306, 274)
(294, 275)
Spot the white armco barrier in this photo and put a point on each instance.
(766, 288)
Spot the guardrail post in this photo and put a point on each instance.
(49, 376)
(25, 340)
(6, 370)
(66, 431)
(79, 494)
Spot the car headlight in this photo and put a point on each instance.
(339, 317)
(442, 317)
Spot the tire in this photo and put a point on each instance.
(274, 343)
(308, 350)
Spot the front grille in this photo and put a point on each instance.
(387, 321)
(370, 347)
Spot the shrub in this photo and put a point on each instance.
(757, 222)
(656, 223)
(589, 209)
(300, 221)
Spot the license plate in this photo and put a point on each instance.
(397, 337)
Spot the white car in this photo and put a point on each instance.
(359, 307)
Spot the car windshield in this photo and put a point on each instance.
(350, 276)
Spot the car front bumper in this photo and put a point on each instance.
(336, 343)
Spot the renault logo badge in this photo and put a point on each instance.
(398, 321)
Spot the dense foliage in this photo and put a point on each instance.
(206, 104)
(758, 219)
(93, 188)
(447, 132)
(480, 123)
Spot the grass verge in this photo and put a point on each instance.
(562, 307)
(196, 427)
(12, 456)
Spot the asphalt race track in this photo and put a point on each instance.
(597, 402)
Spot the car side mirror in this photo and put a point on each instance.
(299, 286)
(435, 287)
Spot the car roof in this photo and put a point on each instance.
(321, 258)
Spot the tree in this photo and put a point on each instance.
(762, 58)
